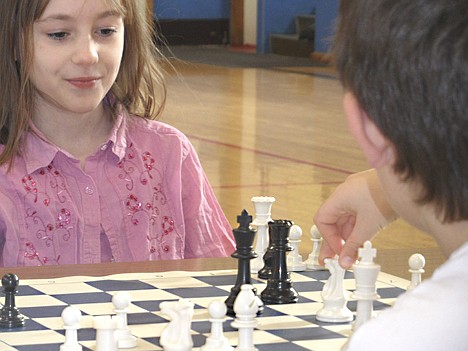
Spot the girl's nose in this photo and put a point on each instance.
(86, 52)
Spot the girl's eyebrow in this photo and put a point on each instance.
(65, 17)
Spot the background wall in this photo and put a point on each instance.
(210, 18)
(191, 9)
(326, 12)
(278, 16)
(193, 22)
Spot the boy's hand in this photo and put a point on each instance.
(354, 213)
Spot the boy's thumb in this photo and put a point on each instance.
(349, 253)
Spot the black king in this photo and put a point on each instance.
(244, 236)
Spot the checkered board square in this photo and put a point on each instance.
(291, 327)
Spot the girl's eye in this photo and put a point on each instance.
(106, 32)
(57, 35)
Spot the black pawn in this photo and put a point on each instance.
(279, 289)
(266, 271)
(10, 316)
(244, 236)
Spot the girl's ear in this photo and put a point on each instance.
(378, 150)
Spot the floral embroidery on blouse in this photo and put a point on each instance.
(40, 187)
(135, 173)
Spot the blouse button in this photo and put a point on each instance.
(104, 147)
(89, 190)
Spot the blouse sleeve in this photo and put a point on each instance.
(208, 233)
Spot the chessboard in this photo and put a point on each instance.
(291, 327)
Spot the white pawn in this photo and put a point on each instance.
(262, 206)
(294, 260)
(312, 261)
(105, 333)
(416, 263)
(246, 307)
(71, 316)
(216, 341)
(121, 301)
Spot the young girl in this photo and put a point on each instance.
(86, 175)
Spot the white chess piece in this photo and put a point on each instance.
(365, 275)
(416, 263)
(176, 335)
(312, 261)
(105, 333)
(216, 341)
(121, 301)
(71, 317)
(262, 206)
(334, 296)
(246, 308)
(294, 259)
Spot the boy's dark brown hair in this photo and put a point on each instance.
(406, 61)
(140, 87)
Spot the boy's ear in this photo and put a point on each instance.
(378, 150)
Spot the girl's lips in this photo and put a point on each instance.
(83, 82)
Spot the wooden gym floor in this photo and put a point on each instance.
(282, 133)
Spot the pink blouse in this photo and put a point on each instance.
(142, 195)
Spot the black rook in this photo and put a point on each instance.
(279, 287)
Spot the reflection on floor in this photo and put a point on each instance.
(275, 132)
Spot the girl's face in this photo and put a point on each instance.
(78, 46)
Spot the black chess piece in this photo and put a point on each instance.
(244, 236)
(279, 289)
(10, 316)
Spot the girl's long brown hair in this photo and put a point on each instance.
(140, 86)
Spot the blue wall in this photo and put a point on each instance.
(277, 16)
(274, 16)
(191, 9)
(326, 12)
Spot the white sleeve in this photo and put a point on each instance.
(433, 316)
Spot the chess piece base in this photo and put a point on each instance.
(9, 323)
(279, 292)
(341, 316)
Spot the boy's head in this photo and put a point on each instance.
(405, 62)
